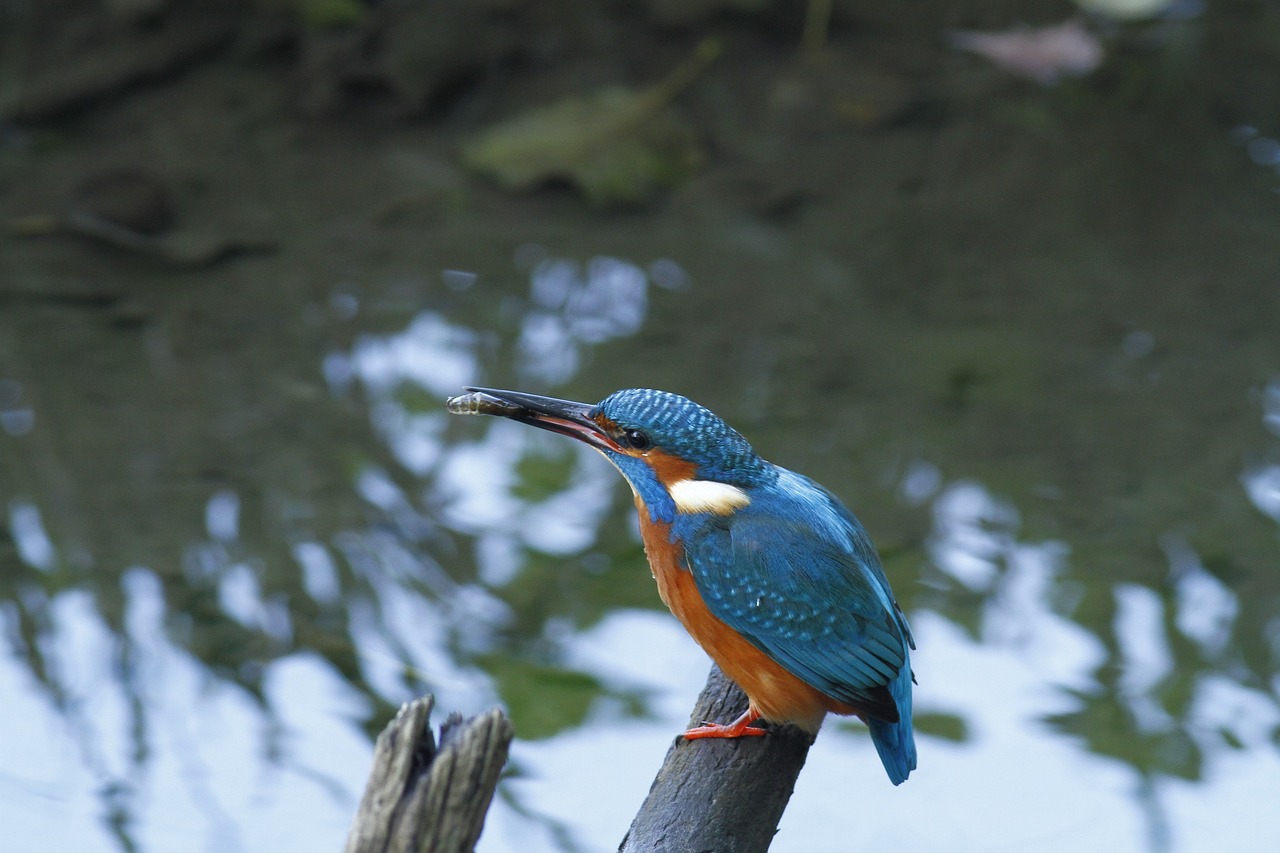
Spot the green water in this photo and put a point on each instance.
(1031, 336)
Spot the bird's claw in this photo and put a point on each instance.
(716, 730)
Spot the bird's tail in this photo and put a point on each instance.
(896, 742)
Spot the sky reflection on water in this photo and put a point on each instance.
(134, 734)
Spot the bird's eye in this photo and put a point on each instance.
(636, 440)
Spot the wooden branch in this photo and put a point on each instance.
(421, 797)
(721, 795)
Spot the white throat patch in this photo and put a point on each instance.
(707, 496)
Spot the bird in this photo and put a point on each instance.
(766, 569)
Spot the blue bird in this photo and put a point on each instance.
(767, 570)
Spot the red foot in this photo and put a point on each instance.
(740, 727)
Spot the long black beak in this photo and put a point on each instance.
(563, 416)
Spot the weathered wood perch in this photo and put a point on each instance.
(424, 798)
(710, 796)
(719, 796)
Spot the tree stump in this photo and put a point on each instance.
(424, 798)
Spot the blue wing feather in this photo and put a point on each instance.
(796, 574)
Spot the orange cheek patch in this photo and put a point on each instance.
(669, 469)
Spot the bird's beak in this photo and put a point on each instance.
(562, 416)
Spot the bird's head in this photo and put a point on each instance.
(678, 456)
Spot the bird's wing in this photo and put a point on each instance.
(808, 593)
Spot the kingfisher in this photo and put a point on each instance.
(768, 571)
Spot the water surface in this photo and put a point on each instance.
(1029, 335)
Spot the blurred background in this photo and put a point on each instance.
(1003, 275)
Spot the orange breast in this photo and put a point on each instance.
(775, 693)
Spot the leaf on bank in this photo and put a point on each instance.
(615, 146)
(328, 13)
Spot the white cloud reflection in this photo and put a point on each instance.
(222, 515)
(1145, 657)
(571, 308)
(203, 784)
(575, 306)
(971, 534)
(432, 353)
(1206, 607)
(319, 572)
(1262, 481)
(1262, 485)
(1271, 406)
(32, 541)
(478, 481)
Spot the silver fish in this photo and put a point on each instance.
(477, 403)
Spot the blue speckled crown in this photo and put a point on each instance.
(685, 429)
